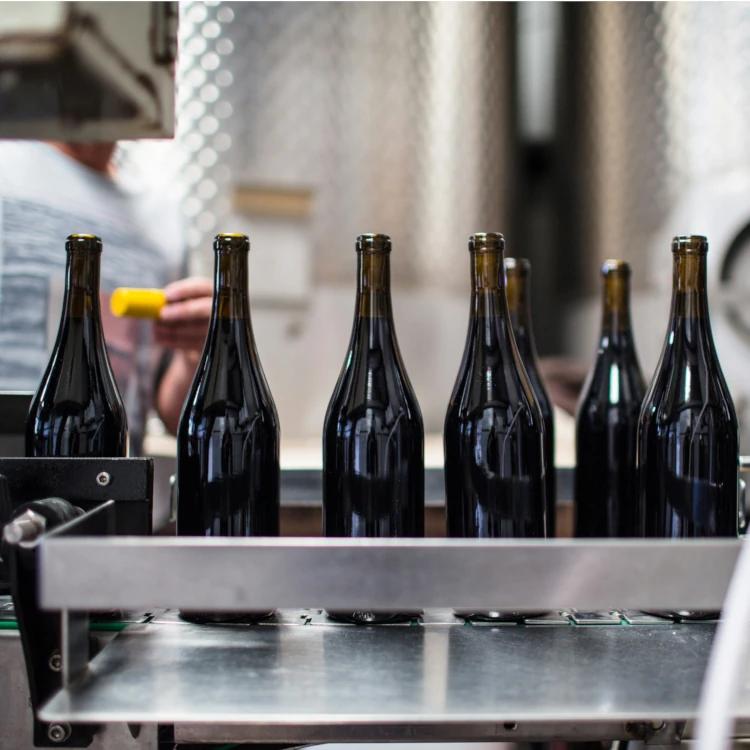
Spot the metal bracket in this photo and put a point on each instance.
(87, 483)
(55, 649)
(118, 496)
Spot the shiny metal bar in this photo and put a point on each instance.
(287, 682)
(524, 575)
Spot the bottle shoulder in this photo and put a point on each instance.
(373, 381)
(491, 377)
(688, 380)
(500, 408)
(614, 384)
(72, 384)
(230, 381)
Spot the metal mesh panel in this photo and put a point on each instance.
(395, 115)
(654, 100)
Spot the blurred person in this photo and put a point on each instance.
(50, 190)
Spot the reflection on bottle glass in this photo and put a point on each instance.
(77, 409)
(607, 420)
(373, 438)
(228, 441)
(518, 293)
(495, 474)
(688, 450)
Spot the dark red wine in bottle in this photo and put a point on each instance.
(77, 409)
(373, 437)
(607, 420)
(228, 440)
(518, 293)
(688, 452)
(495, 476)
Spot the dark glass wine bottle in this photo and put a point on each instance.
(228, 440)
(373, 438)
(688, 450)
(77, 409)
(494, 430)
(518, 293)
(607, 420)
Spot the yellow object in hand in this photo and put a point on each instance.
(137, 303)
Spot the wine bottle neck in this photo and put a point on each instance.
(230, 285)
(616, 326)
(374, 286)
(689, 296)
(487, 285)
(518, 296)
(82, 285)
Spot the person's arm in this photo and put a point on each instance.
(181, 328)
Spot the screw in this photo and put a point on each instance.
(103, 478)
(59, 732)
(55, 662)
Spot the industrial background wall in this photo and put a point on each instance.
(582, 131)
(307, 124)
(652, 101)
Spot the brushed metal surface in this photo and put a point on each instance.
(137, 573)
(652, 99)
(397, 117)
(16, 718)
(282, 678)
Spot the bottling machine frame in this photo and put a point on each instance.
(592, 667)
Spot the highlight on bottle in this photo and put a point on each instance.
(231, 241)
(77, 241)
(373, 243)
(613, 266)
(486, 242)
(690, 244)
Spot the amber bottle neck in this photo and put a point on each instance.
(518, 294)
(689, 295)
(488, 284)
(82, 284)
(616, 326)
(230, 285)
(373, 285)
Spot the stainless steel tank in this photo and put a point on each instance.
(392, 117)
(653, 105)
(305, 124)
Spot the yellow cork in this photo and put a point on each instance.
(137, 303)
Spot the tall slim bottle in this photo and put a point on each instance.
(228, 439)
(373, 438)
(77, 409)
(607, 420)
(518, 292)
(494, 431)
(688, 432)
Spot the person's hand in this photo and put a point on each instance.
(183, 321)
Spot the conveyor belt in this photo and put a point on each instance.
(304, 679)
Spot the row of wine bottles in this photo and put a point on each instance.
(660, 465)
(661, 462)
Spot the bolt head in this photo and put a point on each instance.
(103, 478)
(58, 732)
(55, 662)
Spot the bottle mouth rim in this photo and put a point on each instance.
(690, 244)
(615, 266)
(83, 241)
(373, 242)
(486, 242)
(519, 266)
(231, 241)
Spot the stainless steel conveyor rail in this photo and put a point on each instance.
(302, 679)
(593, 667)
